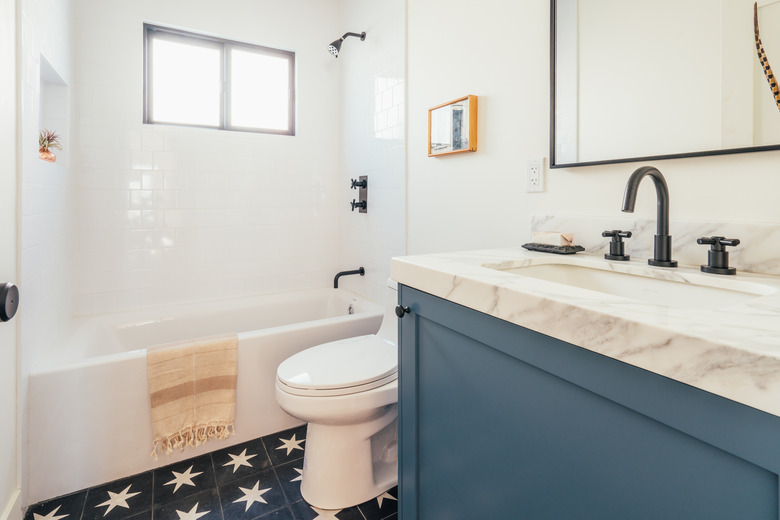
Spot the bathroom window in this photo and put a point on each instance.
(196, 80)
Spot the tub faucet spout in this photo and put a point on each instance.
(662, 246)
(361, 271)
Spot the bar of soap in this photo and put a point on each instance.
(553, 238)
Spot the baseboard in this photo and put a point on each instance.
(13, 510)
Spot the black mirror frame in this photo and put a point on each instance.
(553, 162)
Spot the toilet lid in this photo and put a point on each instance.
(340, 367)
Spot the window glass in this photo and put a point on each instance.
(259, 92)
(205, 81)
(186, 83)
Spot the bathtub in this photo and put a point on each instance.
(89, 417)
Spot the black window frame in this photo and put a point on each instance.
(152, 31)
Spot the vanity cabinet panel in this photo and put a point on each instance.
(500, 422)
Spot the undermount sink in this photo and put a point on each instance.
(662, 288)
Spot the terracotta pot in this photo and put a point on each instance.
(46, 155)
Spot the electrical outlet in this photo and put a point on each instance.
(534, 176)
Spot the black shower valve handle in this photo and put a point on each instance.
(361, 204)
(359, 184)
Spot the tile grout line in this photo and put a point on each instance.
(216, 485)
(84, 506)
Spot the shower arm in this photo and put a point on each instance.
(362, 35)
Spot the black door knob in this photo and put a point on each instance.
(400, 311)
(9, 301)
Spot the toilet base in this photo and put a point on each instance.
(344, 466)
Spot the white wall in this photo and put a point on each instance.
(478, 200)
(372, 91)
(45, 205)
(171, 214)
(9, 468)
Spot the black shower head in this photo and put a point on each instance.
(335, 47)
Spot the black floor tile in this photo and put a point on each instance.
(252, 496)
(290, 476)
(304, 511)
(282, 514)
(146, 515)
(382, 506)
(68, 507)
(239, 461)
(121, 499)
(286, 446)
(200, 506)
(183, 479)
(256, 480)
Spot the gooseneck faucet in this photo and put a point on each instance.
(662, 252)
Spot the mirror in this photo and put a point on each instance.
(636, 79)
(452, 127)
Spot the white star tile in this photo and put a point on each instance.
(252, 495)
(384, 495)
(290, 444)
(117, 499)
(50, 515)
(300, 475)
(192, 514)
(180, 479)
(326, 514)
(239, 460)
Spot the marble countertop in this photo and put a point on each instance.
(731, 351)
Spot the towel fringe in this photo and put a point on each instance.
(193, 436)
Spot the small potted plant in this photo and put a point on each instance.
(48, 139)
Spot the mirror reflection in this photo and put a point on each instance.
(452, 127)
(636, 79)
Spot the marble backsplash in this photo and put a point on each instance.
(758, 251)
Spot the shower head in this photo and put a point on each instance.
(335, 47)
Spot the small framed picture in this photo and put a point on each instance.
(452, 127)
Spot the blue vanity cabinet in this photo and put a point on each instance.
(501, 422)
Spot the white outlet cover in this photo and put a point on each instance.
(535, 176)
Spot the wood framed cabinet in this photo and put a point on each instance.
(501, 422)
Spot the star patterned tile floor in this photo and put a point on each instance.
(256, 480)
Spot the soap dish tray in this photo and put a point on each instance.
(548, 248)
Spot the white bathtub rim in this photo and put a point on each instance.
(84, 328)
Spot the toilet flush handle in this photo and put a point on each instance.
(401, 310)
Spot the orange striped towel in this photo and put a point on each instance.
(192, 386)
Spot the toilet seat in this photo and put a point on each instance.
(341, 367)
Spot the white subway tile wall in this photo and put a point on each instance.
(170, 214)
(46, 210)
(372, 140)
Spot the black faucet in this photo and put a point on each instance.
(662, 252)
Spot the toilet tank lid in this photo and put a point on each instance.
(340, 364)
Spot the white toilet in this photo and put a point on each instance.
(347, 391)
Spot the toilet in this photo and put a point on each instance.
(347, 392)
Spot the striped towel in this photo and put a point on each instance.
(192, 386)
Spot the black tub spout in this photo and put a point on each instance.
(359, 271)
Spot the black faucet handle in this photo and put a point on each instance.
(616, 234)
(718, 243)
(363, 183)
(717, 256)
(617, 248)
